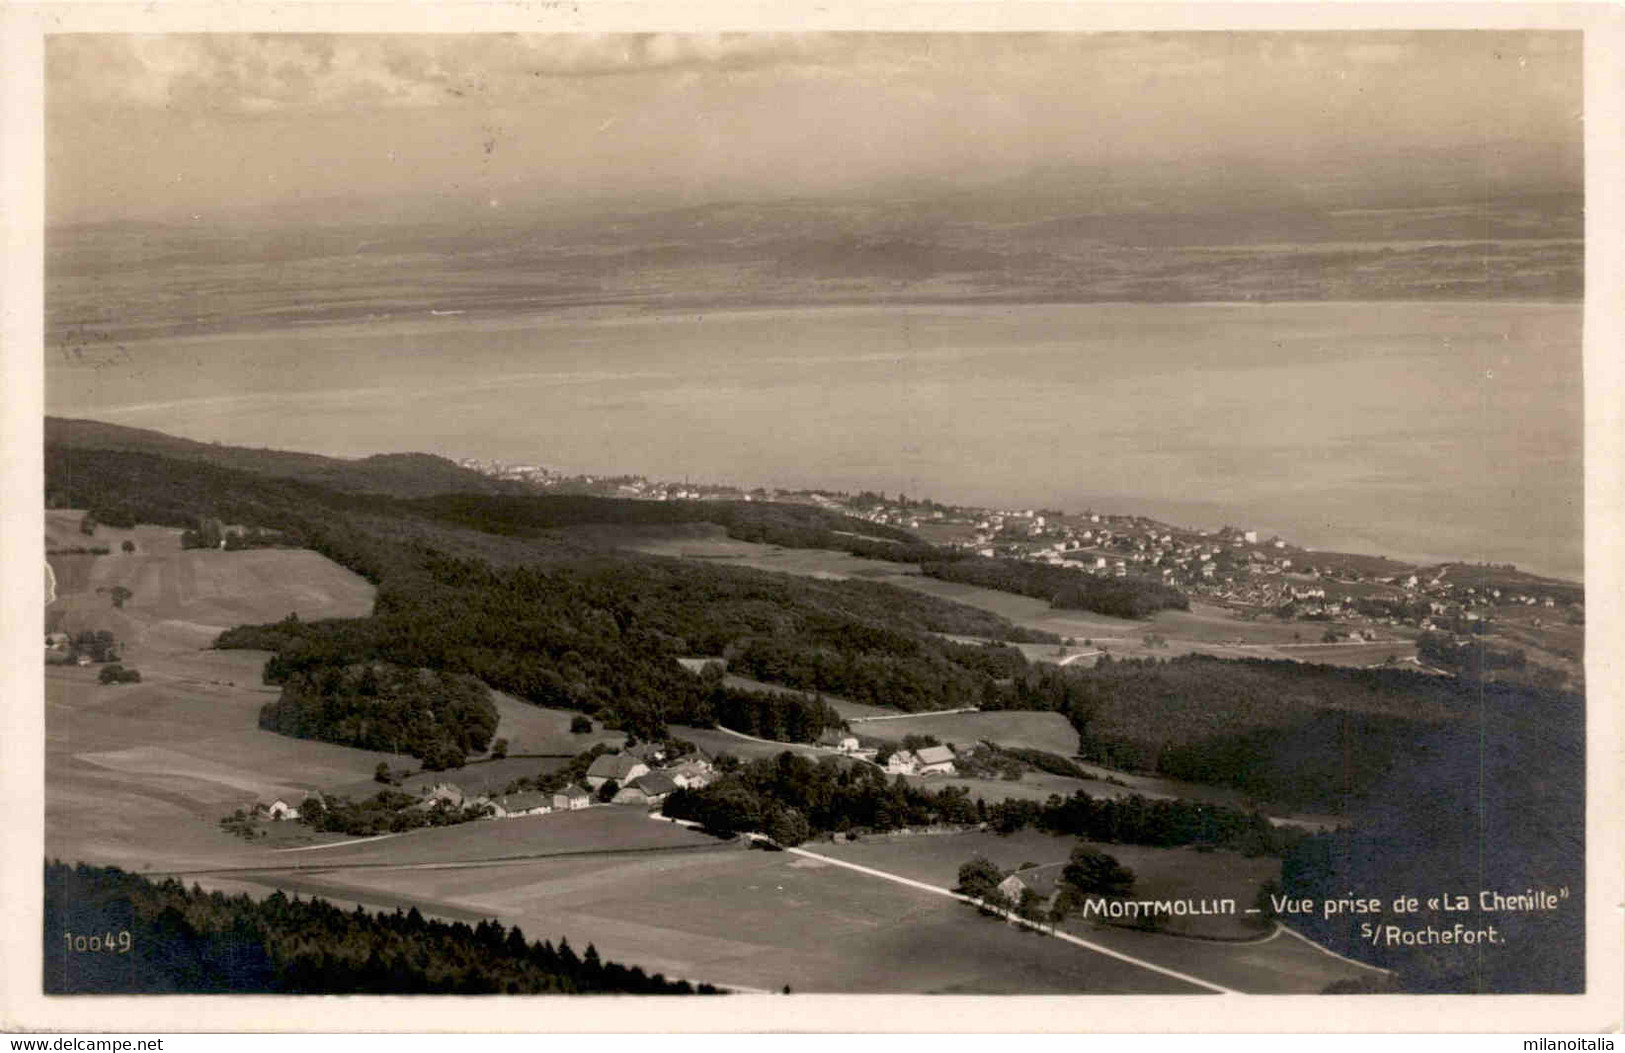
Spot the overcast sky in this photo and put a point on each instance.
(167, 126)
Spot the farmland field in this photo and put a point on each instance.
(1050, 732)
(753, 919)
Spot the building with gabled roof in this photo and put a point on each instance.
(622, 767)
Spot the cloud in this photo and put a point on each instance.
(253, 73)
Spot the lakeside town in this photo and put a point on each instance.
(1250, 574)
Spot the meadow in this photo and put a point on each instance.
(1049, 732)
(754, 919)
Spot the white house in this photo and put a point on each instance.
(571, 798)
(902, 763)
(277, 809)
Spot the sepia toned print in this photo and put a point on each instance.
(1065, 513)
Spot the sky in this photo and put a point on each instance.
(207, 126)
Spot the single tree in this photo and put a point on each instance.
(978, 878)
(128, 546)
(499, 749)
(119, 594)
(381, 773)
(1092, 871)
(580, 725)
(607, 792)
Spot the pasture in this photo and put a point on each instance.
(139, 774)
(1049, 732)
(753, 919)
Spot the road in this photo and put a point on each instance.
(912, 716)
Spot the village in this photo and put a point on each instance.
(1239, 569)
(643, 775)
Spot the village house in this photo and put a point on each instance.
(647, 789)
(936, 760)
(517, 804)
(691, 774)
(840, 740)
(1012, 887)
(571, 798)
(622, 767)
(277, 809)
(902, 762)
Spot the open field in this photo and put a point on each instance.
(182, 599)
(754, 919)
(1040, 731)
(532, 729)
(139, 774)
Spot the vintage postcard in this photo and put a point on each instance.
(945, 503)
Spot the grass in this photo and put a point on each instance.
(139, 774)
(756, 919)
(1040, 731)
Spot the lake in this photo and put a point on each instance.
(1416, 430)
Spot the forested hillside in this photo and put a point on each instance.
(110, 932)
(1062, 587)
(436, 717)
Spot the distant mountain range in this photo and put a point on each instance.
(1077, 235)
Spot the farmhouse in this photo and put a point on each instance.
(656, 786)
(517, 804)
(622, 767)
(902, 763)
(571, 798)
(277, 809)
(935, 760)
(691, 774)
(1013, 887)
(838, 740)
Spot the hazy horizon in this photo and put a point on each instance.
(343, 243)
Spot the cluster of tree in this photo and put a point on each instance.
(1472, 659)
(80, 550)
(1063, 587)
(111, 932)
(776, 715)
(1137, 820)
(436, 717)
(211, 533)
(113, 673)
(98, 645)
(1088, 872)
(881, 667)
(385, 812)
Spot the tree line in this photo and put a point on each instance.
(163, 938)
(791, 798)
(1065, 588)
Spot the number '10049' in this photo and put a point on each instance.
(111, 943)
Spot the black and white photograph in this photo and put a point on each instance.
(762, 514)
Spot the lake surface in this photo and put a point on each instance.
(1415, 430)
